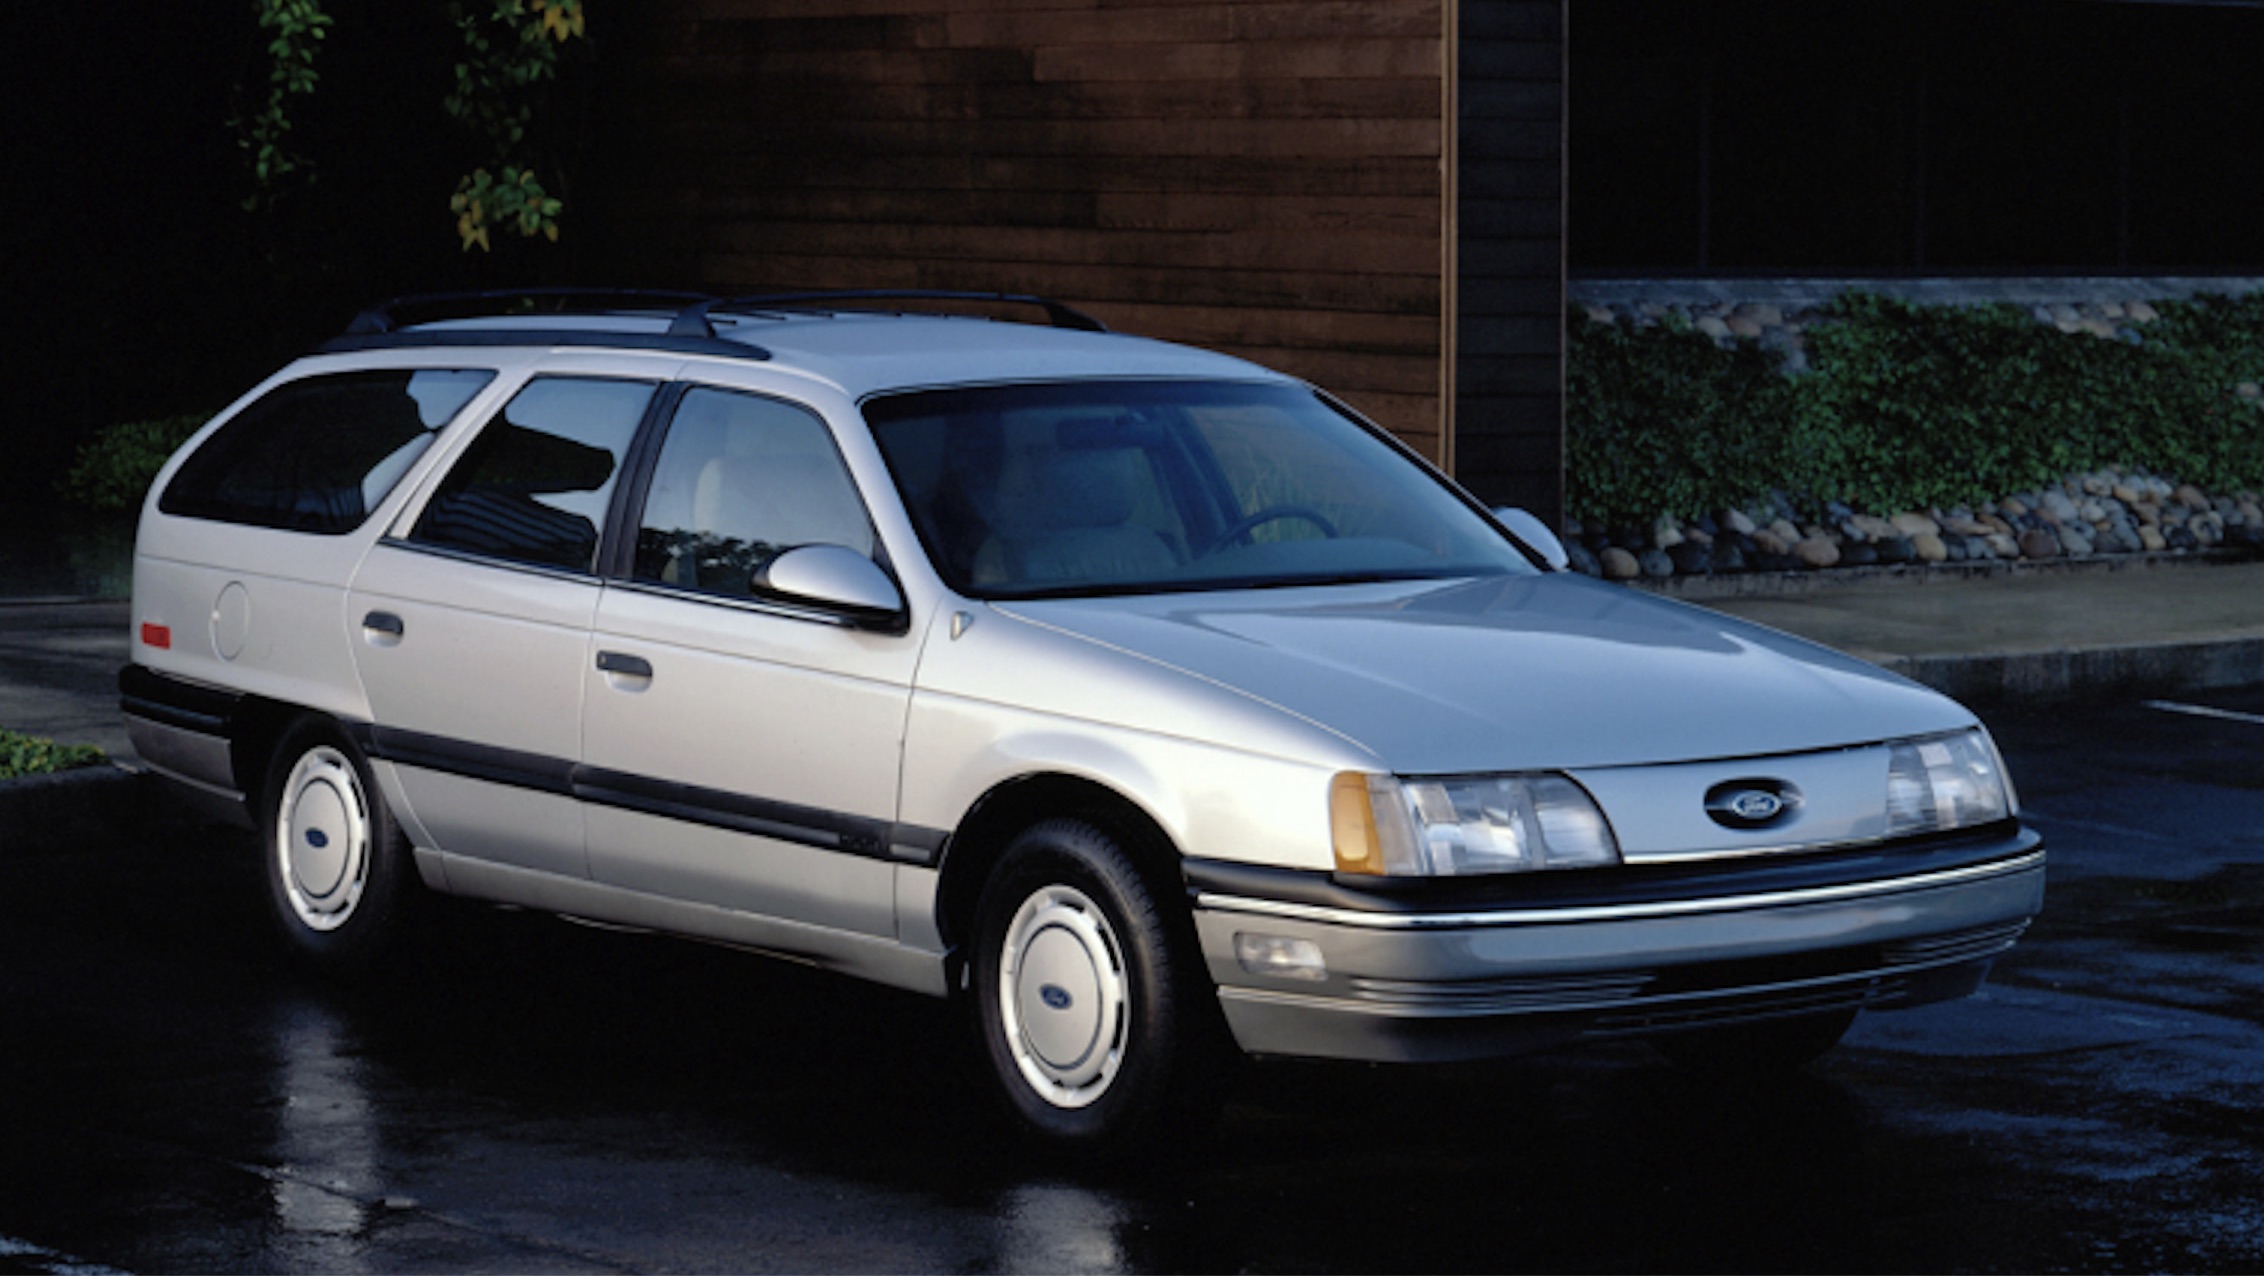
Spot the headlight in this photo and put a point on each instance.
(1414, 827)
(1945, 782)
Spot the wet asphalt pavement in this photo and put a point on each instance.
(535, 1095)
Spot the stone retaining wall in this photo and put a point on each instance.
(2109, 511)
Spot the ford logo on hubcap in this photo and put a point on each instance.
(1751, 804)
(317, 839)
(1055, 996)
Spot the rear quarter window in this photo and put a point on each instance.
(317, 455)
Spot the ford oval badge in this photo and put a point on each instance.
(1751, 804)
(1055, 996)
(317, 839)
(1755, 805)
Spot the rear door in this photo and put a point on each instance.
(471, 626)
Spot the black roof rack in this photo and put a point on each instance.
(391, 323)
(692, 321)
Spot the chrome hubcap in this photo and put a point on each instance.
(322, 839)
(1063, 997)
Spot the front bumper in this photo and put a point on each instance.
(1428, 974)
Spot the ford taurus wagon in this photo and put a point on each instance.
(1150, 703)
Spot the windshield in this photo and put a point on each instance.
(1091, 487)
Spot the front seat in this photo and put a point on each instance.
(1079, 528)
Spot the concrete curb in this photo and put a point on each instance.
(55, 814)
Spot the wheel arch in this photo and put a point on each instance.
(258, 726)
(1011, 806)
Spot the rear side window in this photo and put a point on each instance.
(534, 486)
(317, 455)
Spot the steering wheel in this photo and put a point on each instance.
(1259, 518)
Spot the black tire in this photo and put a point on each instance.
(1767, 1048)
(1101, 1029)
(341, 879)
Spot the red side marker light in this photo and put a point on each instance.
(158, 636)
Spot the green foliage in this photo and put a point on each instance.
(296, 29)
(517, 202)
(112, 471)
(1907, 407)
(512, 53)
(1660, 420)
(22, 755)
(512, 50)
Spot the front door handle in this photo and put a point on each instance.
(626, 666)
(383, 628)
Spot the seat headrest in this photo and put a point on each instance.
(1089, 489)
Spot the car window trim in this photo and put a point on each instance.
(476, 559)
(753, 603)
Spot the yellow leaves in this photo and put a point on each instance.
(511, 52)
(561, 19)
(516, 202)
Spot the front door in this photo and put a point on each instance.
(738, 752)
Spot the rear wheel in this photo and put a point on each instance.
(340, 876)
(1099, 1025)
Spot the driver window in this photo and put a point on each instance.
(740, 480)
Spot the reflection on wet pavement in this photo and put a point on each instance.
(524, 1095)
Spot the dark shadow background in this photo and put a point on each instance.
(137, 285)
(1705, 137)
(1915, 137)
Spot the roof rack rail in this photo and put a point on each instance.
(692, 321)
(387, 316)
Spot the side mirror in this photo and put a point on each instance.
(1535, 533)
(837, 578)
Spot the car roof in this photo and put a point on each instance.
(859, 350)
(867, 354)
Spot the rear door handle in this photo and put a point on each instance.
(627, 666)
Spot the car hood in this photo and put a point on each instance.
(1511, 673)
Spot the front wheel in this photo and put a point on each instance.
(340, 876)
(1094, 1012)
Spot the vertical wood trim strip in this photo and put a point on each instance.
(1450, 222)
(1556, 511)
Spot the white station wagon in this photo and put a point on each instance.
(1151, 702)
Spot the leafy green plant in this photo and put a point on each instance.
(1907, 406)
(512, 50)
(512, 53)
(296, 29)
(22, 755)
(515, 202)
(1660, 420)
(113, 470)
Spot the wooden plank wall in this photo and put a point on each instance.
(1509, 337)
(1258, 177)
